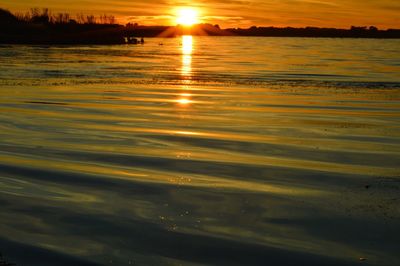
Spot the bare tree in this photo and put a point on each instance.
(111, 19)
(90, 19)
(62, 18)
(80, 18)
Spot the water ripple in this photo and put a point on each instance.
(126, 154)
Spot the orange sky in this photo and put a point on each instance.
(234, 13)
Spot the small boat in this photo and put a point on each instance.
(133, 40)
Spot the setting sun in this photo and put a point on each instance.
(187, 16)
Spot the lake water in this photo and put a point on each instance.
(201, 150)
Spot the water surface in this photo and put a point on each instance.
(216, 151)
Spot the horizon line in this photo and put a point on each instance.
(74, 16)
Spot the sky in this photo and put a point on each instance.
(233, 13)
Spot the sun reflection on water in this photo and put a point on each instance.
(186, 71)
(184, 99)
(187, 50)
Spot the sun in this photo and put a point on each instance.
(187, 16)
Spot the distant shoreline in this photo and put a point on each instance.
(116, 34)
(42, 28)
(100, 43)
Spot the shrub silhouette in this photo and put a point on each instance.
(6, 17)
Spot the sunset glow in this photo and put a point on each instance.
(243, 14)
(187, 17)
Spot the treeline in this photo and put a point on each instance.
(41, 26)
(353, 32)
(45, 16)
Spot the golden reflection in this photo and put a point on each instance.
(184, 99)
(186, 71)
(187, 49)
(186, 65)
(187, 44)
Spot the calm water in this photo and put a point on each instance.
(216, 151)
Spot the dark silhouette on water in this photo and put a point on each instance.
(131, 40)
(43, 27)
